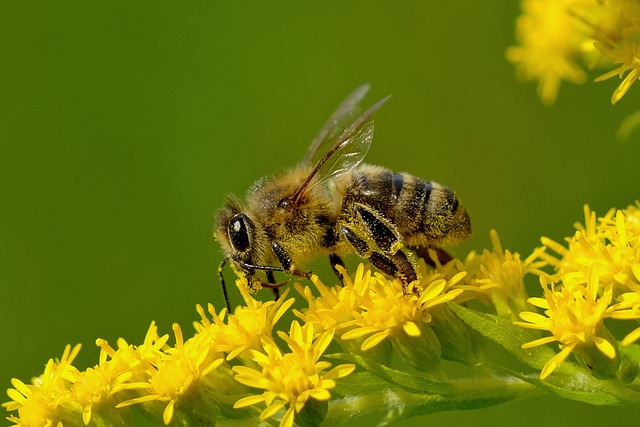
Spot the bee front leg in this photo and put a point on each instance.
(276, 289)
(224, 285)
(285, 261)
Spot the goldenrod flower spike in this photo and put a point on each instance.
(241, 360)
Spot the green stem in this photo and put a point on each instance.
(394, 403)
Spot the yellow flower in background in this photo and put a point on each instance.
(550, 40)
(291, 379)
(558, 38)
(574, 316)
(622, 46)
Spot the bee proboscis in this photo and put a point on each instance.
(333, 204)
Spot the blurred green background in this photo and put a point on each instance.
(123, 125)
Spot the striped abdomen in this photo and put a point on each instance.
(424, 213)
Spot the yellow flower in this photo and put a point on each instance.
(96, 388)
(612, 244)
(47, 401)
(180, 375)
(627, 308)
(550, 40)
(141, 358)
(556, 37)
(574, 315)
(623, 49)
(290, 379)
(498, 275)
(371, 309)
(372, 306)
(245, 328)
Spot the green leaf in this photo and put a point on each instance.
(367, 395)
(506, 334)
(581, 386)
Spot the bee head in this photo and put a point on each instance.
(235, 231)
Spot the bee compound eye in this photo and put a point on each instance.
(239, 232)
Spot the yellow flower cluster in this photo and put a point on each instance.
(498, 276)
(557, 38)
(191, 382)
(369, 309)
(597, 276)
(236, 366)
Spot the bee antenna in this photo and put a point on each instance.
(224, 286)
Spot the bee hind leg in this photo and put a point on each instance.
(395, 265)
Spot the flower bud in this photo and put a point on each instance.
(312, 413)
(454, 335)
(421, 350)
(592, 356)
(628, 371)
(381, 353)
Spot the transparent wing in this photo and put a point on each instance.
(338, 121)
(347, 151)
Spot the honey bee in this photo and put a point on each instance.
(333, 204)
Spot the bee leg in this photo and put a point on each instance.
(395, 265)
(285, 261)
(224, 286)
(276, 289)
(360, 245)
(254, 283)
(442, 256)
(335, 260)
(383, 232)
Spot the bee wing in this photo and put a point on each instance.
(336, 123)
(347, 152)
